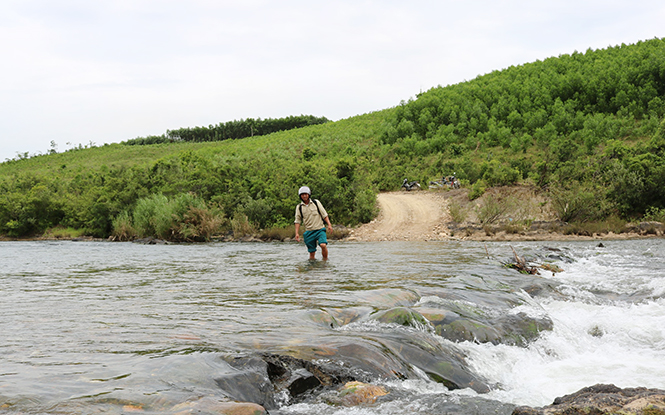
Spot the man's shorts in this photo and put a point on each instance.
(314, 237)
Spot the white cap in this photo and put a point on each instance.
(304, 189)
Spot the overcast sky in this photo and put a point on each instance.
(81, 71)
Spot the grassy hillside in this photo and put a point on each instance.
(255, 177)
(587, 128)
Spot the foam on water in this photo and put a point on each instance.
(590, 344)
(617, 271)
(610, 329)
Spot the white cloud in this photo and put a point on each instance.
(80, 71)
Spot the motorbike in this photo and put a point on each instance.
(408, 186)
(449, 181)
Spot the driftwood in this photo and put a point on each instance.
(521, 265)
(551, 268)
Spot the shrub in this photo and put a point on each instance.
(152, 216)
(477, 190)
(199, 224)
(493, 209)
(123, 230)
(498, 174)
(29, 209)
(654, 214)
(366, 209)
(457, 213)
(60, 232)
(578, 204)
(612, 224)
(241, 226)
(514, 228)
(258, 212)
(278, 233)
(183, 218)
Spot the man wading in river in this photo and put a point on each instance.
(311, 213)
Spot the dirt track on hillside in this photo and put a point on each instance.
(406, 216)
(424, 216)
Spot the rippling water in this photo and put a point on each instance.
(87, 327)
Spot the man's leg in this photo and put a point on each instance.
(323, 243)
(310, 242)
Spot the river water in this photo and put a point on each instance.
(89, 327)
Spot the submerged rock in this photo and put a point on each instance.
(541, 287)
(357, 394)
(519, 329)
(344, 316)
(301, 381)
(464, 322)
(468, 330)
(264, 379)
(440, 363)
(209, 405)
(603, 400)
(322, 318)
(337, 317)
(348, 359)
(250, 383)
(401, 315)
(388, 297)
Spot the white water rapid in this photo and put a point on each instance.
(610, 329)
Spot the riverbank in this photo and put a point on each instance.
(514, 213)
(540, 231)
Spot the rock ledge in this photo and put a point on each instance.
(603, 400)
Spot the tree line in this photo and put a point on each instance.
(231, 130)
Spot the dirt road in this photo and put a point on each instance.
(424, 216)
(406, 216)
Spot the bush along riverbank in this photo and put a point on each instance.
(502, 213)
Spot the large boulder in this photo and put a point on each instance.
(297, 374)
(468, 330)
(336, 317)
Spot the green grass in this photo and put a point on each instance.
(325, 139)
(59, 232)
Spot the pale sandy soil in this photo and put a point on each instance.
(406, 216)
(425, 215)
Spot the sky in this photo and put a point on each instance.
(81, 72)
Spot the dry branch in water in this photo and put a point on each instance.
(521, 265)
